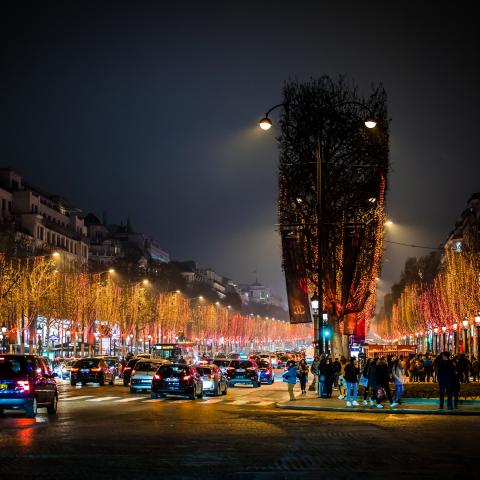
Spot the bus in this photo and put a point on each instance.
(173, 351)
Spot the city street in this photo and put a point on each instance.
(106, 432)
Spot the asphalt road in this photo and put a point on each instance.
(106, 432)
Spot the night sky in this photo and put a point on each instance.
(149, 110)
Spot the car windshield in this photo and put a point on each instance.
(87, 363)
(204, 370)
(12, 367)
(221, 363)
(132, 363)
(263, 364)
(146, 367)
(168, 370)
(241, 364)
(70, 363)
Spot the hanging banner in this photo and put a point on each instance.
(296, 281)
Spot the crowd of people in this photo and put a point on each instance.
(371, 379)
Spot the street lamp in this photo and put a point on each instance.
(477, 324)
(444, 329)
(435, 331)
(455, 337)
(265, 124)
(465, 335)
(149, 343)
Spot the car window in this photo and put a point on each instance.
(263, 364)
(12, 367)
(43, 366)
(241, 364)
(167, 370)
(204, 370)
(146, 366)
(132, 363)
(87, 363)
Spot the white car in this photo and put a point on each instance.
(142, 374)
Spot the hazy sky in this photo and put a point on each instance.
(149, 110)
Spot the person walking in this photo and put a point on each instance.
(314, 370)
(475, 369)
(428, 367)
(337, 368)
(351, 378)
(398, 375)
(326, 371)
(446, 379)
(369, 372)
(290, 377)
(383, 382)
(303, 375)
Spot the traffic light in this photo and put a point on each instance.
(327, 332)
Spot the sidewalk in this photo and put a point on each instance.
(415, 406)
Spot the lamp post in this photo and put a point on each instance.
(131, 345)
(318, 334)
(477, 324)
(455, 338)
(465, 336)
(149, 344)
(265, 124)
(435, 331)
(3, 336)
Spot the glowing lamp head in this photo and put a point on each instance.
(465, 323)
(444, 329)
(455, 325)
(370, 123)
(265, 123)
(435, 330)
(111, 270)
(388, 223)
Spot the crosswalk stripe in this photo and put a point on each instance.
(210, 401)
(154, 400)
(131, 399)
(101, 399)
(263, 404)
(238, 402)
(78, 397)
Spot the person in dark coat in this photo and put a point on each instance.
(446, 378)
(383, 381)
(326, 371)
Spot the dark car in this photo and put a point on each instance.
(94, 370)
(265, 371)
(26, 383)
(127, 371)
(243, 371)
(177, 379)
(113, 364)
(214, 381)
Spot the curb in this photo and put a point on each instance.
(396, 411)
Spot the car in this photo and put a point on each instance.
(177, 379)
(113, 364)
(65, 369)
(265, 372)
(233, 356)
(214, 381)
(91, 370)
(142, 374)
(27, 383)
(244, 372)
(127, 371)
(222, 364)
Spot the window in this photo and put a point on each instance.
(9, 206)
(4, 204)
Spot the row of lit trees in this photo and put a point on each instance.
(441, 304)
(81, 307)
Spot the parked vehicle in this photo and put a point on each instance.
(127, 371)
(214, 381)
(244, 372)
(177, 379)
(27, 383)
(142, 374)
(91, 370)
(265, 372)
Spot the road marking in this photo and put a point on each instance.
(239, 402)
(263, 404)
(131, 399)
(154, 400)
(211, 401)
(41, 419)
(101, 399)
(79, 397)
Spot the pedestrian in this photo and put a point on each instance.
(398, 375)
(351, 378)
(383, 383)
(303, 375)
(428, 367)
(326, 371)
(337, 368)
(314, 370)
(464, 367)
(182, 360)
(446, 377)
(290, 377)
(369, 373)
(475, 369)
(456, 384)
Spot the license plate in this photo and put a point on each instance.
(172, 379)
(240, 369)
(85, 371)
(3, 386)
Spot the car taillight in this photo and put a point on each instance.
(95, 369)
(74, 369)
(214, 377)
(23, 385)
(157, 377)
(133, 371)
(187, 377)
(251, 369)
(128, 368)
(230, 368)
